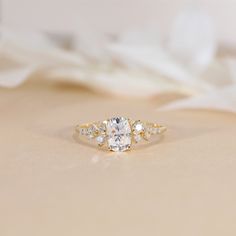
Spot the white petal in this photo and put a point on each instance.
(159, 62)
(119, 81)
(92, 44)
(116, 81)
(192, 40)
(148, 36)
(34, 48)
(224, 99)
(15, 76)
(231, 65)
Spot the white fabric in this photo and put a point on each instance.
(137, 63)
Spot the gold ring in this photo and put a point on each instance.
(118, 134)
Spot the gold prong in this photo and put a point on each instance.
(149, 129)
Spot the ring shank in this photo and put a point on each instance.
(97, 131)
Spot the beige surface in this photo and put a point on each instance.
(51, 185)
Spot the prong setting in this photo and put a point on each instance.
(119, 133)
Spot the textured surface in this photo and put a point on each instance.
(51, 185)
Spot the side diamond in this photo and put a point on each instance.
(138, 131)
(100, 140)
(138, 127)
(137, 138)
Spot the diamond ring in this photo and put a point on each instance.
(118, 134)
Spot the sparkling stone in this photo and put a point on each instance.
(147, 134)
(156, 130)
(82, 131)
(119, 134)
(138, 127)
(102, 128)
(100, 140)
(137, 138)
(91, 132)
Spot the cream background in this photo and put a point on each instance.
(112, 16)
(51, 185)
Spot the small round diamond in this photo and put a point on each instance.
(138, 127)
(137, 138)
(155, 130)
(100, 140)
(147, 134)
(82, 131)
(92, 131)
(102, 128)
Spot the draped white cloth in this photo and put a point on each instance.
(139, 63)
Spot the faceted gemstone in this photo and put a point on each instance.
(138, 127)
(102, 128)
(100, 140)
(155, 130)
(91, 131)
(137, 138)
(119, 134)
(147, 134)
(82, 131)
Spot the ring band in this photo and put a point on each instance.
(118, 134)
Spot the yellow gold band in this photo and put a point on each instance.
(119, 133)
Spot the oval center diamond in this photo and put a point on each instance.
(119, 134)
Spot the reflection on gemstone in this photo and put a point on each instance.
(100, 140)
(137, 138)
(138, 127)
(119, 134)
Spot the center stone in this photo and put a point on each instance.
(119, 134)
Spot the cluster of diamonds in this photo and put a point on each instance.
(96, 131)
(118, 132)
(143, 131)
